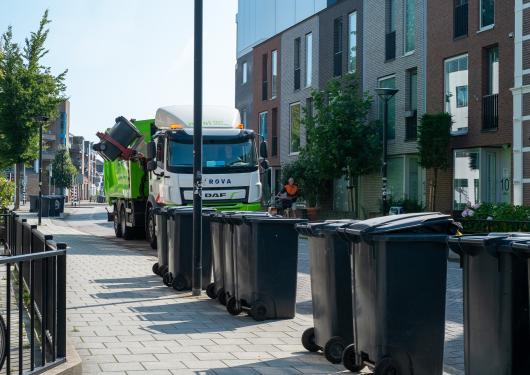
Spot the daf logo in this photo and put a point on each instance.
(219, 181)
(215, 195)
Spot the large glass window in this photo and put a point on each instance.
(263, 126)
(352, 42)
(391, 15)
(395, 174)
(296, 64)
(216, 156)
(389, 82)
(466, 181)
(337, 47)
(487, 13)
(410, 25)
(274, 63)
(456, 92)
(308, 59)
(493, 71)
(295, 124)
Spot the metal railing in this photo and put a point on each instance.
(474, 226)
(490, 112)
(33, 298)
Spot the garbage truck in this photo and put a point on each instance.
(149, 163)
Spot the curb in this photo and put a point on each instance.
(72, 366)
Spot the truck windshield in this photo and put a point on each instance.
(216, 157)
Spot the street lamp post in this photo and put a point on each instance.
(42, 120)
(385, 94)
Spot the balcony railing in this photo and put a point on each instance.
(390, 46)
(34, 285)
(490, 112)
(264, 90)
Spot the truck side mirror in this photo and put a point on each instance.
(265, 164)
(263, 151)
(151, 150)
(151, 165)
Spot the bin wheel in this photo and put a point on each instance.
(210, 291)
(167, 279)
(179, 283)
(156, 269)
(258, 311)
(233, 307)
(221, 296)
(387, 366)
(308, 340)
(162, 270)
(349, 359)
(334, 348)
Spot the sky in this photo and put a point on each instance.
(130, 57)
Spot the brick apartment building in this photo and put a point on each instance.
(470, 62)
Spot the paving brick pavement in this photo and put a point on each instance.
(123, 320)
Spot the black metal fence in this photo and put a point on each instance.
(35, 298)
(474, 226)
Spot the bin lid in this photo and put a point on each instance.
(160, 210)
(424, 223)
(269, 219)
(318, 228)
(187, 210)
(493, 243)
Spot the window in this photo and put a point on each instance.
(390, 39)
(245, 73)
(337, 47)
(410, 25)
(490, 101)
(263, 126)
(274, 120)
(487, 13)
(456, 92)
(308, 59)
(264, 82)
(160, 154)
(352, 42)
(274, 63)
(460, 18)
(466, 186)
(389, 82)
(294, 124)
(461, 96)
(411, 122)
(308, 110)
(297, 64)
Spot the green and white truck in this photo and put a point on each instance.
(159, 171)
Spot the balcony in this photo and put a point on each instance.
(390, 46)
(490, 112)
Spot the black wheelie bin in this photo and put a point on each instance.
(399, 272)
(215, 290)
(180, 248)
(496, 320)
(331, 290)
(161, 266)
(265, 257)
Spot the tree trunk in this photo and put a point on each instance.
(18, 184)
(434, 188)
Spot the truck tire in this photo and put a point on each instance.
(117, 222)
(126, 232)
(150, 227)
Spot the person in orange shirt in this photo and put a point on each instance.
(289, 194)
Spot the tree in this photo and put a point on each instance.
(7, 190)
(305, 174)
(63, 170)
(340, 139)
(28, 90)
(434, 137)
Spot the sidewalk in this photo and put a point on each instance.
(123, 320)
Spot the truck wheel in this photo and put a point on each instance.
(126, 232)
(117, 224)
(150, 228)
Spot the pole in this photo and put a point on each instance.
(385, 128)
(197, 154)
(40, 173)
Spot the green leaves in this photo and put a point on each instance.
(7, 191)
(63, 170)
(27, 90)
(434, 137)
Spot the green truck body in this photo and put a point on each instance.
(123, 178)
